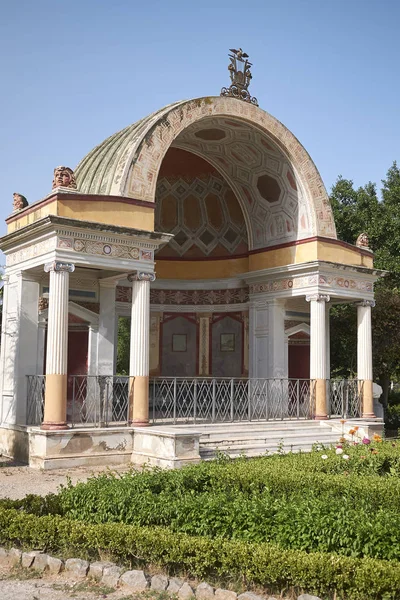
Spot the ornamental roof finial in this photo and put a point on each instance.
(239, 71)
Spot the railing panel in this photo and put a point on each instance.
(345, 398)
(35, 393)
(101, 401)
(211, 400)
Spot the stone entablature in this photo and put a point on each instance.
(279, 285)
(306, 278)
(81, 242)
(188, 297)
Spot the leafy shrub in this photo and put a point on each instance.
(262, 564)
(392, 416)
(312, 502)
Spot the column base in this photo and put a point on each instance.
(53, 426)
(368, 399)
(320, 400)
(55, 402)
(139, 400)
(135, 423)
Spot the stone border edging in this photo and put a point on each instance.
(110, 575)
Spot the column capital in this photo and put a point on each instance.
(59, 267)
(318, 298)
(364, 303)
(142, 276)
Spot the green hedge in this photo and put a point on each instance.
(261, 564)
(264, 500)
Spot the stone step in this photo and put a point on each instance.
(276, 437)
(238, 428)
(256, 450)
(239, 425)
(264, 432)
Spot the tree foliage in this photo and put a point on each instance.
(123, 346)
(356, 211)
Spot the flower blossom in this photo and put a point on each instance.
(324, 457)
(366, 441)
(339, 450)
(345, 456)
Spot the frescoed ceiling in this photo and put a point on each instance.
(196, 204)
(258, 173)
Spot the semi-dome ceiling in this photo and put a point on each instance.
(276, 183)
(196, 204)
(263, 178)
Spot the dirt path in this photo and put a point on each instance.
(16, 481)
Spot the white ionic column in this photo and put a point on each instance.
(318, 361)
(107, 328)
(328, 354)
(140, 348)
(364, 355)
(55, 405)
(276, 340)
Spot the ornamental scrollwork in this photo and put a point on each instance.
(59, 267)
(142, 276)
(240, 74)
(318, 298)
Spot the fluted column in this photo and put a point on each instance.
(364, 355)
(318, 357)
(55, 404)
(140, 349)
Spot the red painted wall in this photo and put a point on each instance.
(299, 361)
(77, 355)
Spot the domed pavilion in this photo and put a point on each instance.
(208, 225)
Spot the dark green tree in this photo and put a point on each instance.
(123, 346)
(355, 211)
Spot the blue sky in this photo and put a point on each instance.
(74, 72)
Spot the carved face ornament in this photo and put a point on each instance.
(19, 201)
(362, 241)
(64, 177)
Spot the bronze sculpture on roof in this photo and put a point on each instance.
(240, 74)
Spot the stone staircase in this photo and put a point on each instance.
(256, 439)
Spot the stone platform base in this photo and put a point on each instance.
(165, 447)
(108, 446)
(14, 442)
(170, 446)
(79, 447)
(366, 427)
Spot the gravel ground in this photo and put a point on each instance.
(16, 481)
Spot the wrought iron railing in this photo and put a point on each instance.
(92, 400)
(101, 401)
(212, 400)
(345, 398)
(35, 399)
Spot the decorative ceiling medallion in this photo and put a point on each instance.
(239, 71)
